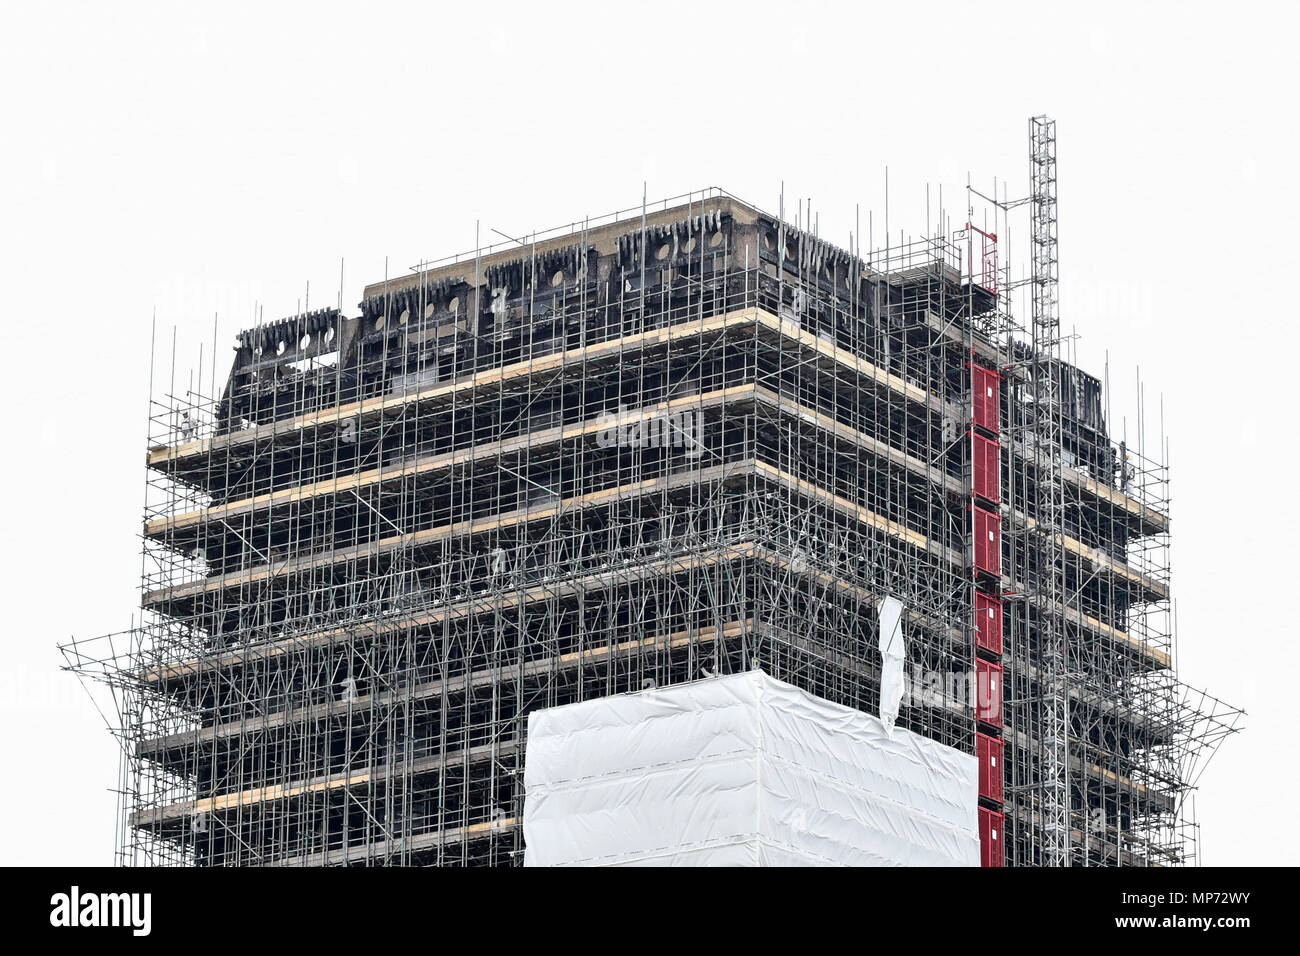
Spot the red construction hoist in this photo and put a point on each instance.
(986, 571)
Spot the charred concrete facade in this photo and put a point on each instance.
(673, 444)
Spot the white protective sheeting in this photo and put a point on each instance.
(743, 771)
(893, 651)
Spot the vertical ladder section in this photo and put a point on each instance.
(1048, 580)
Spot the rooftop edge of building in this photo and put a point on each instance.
(601, 233)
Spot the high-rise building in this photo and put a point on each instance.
(686, 440)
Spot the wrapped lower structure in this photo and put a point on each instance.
(741, 770)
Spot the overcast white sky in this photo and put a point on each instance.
(198, 159)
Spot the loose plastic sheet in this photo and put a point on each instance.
(893, 651)
(741, 770)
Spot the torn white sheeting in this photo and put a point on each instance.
(741, 770)
(893, 652)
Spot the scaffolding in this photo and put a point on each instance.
(659, 446)
(1045, 427)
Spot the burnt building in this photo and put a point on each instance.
(688, 441)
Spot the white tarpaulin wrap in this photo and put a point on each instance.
(892, 652)
(743, 771)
